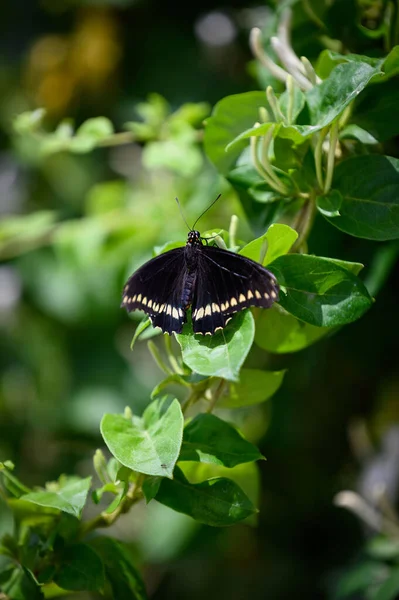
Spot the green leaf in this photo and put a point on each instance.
(20, 233)
(329, 99)
(254, 131)
(373, 107)
(354, 132)
(182, 158)
(169, 380)
(230, 117)
(222, 354)
(328, 59)
(383, 548)
(281, 333)
(150, 487)
(97, 129)
(142, 326)
(369, 186)
(277, 241)
(389, 590)
(18, 583)
(149, 445)
(319, 291)
(30, 121)
(12, 483)
(353, 267)
(218, 501)
(255, 386)
(325, 101)
(211, 440)
(68, 495)
(124, 579)
(246, 476)
(329, 204)
(81, 569)
(361, 578)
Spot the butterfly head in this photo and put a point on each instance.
(194, 238)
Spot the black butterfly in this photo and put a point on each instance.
(216, 283)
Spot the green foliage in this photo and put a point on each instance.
(218, 501)
(68, 495)
(150, 444)
(285, 158)
(221, 354)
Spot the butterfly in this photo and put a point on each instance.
(215, 283)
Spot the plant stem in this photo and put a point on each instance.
(216, 395)
(106, 520)
(158, 359)
(117, 139)
(305, 222)
(171, 357)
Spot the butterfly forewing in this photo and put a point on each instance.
(157, 289)
(228, 283)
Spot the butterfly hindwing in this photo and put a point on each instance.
(227, 283)
(156, 288)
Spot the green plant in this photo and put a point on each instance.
(304, 146)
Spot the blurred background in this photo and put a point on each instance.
(74, 226)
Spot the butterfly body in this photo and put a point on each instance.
(215, 283)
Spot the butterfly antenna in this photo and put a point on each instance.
(206, 210)
(182, 215)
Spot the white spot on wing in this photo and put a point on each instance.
(200, 313)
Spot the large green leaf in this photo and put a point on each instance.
(277, 241)
(221, 354)
(230, 117)
(246, 476)
(120, 572)
(218, 501)
(254, 386)
(80, 569)
(148, 445)
(280, 332)
(68, 495)
(376, 111)
(319, 291)
(211, 440)
(369, 186)
(325, 101)
(329, 99)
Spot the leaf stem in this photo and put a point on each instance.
(158, 359)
